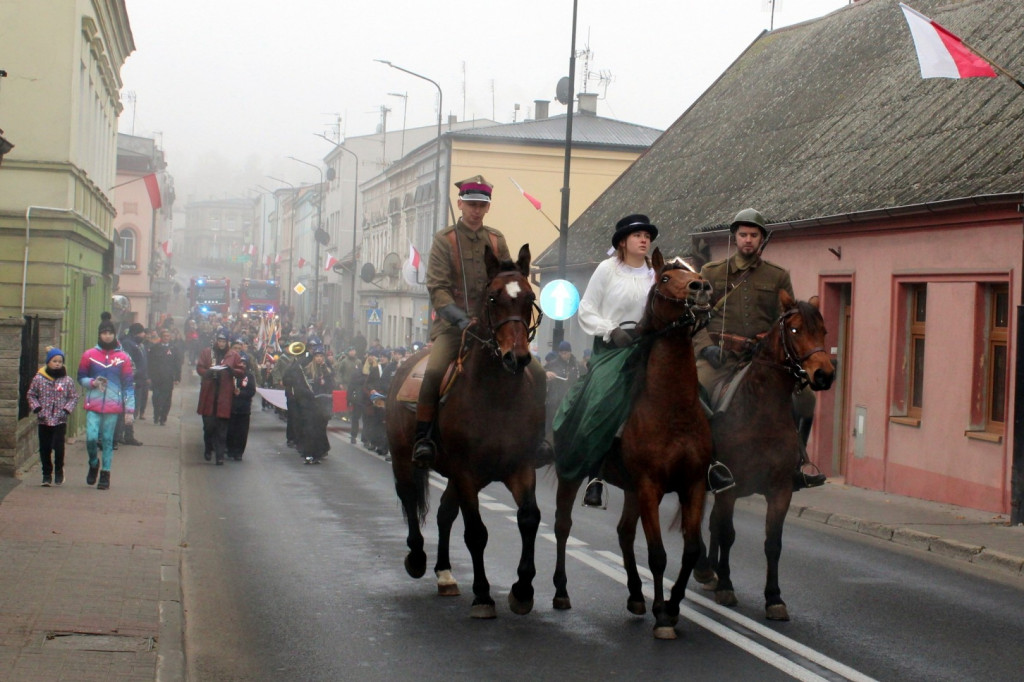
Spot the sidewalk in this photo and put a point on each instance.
(89, 579)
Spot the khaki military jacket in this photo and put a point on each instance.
(444, 284)
(750, 309)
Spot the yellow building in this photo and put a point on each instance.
(59, 105)
(399, 204)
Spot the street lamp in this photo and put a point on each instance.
(291, 244)
(316, 238)
(355, 203)
(437, 159)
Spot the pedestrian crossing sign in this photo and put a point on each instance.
(374, 315)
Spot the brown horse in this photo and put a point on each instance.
(490, 426)
(756, 438)
(665, 445)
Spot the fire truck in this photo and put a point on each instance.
(258, 297)
(208, 295)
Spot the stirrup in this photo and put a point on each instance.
(420, 457)
(599, 491)
(802, 479)
(719, 474)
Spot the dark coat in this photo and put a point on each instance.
(242, 403)
(217, 388)
(164, 364)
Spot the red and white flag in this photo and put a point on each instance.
(331, 262)
(166, 248)
(277, 259)
(302, 261)
(533, 200)
(414, 271)
(153, 189)
(942, 54)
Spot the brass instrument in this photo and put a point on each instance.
(296, 348)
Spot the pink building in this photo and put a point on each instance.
(898, 201)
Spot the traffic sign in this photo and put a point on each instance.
(374, 315)
(559, 299)
(299, 288)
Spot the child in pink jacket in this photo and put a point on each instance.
(52, 395)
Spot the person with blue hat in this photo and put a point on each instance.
(52, 396)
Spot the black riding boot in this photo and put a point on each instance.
(719, 477)
(595, 489)
(424, 451)
(806, 480)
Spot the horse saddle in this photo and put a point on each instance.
(409, 391)
(722, 393)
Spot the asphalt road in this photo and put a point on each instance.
(294, 572)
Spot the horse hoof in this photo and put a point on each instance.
(416, 568)
(446, 585)
(520, 608)
(483, 611)
(561, 604)
(664, 632)
(636, 607)
(776, 612)
(726, 598)
(706, 578)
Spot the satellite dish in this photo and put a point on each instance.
(121, 304)
(367, 273)
(562, 91)
(330, 173)
(392, 267)
(322, 236)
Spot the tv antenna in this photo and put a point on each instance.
(603, 78)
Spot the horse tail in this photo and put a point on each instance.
(421, 487)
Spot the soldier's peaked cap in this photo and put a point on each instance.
(475, 189)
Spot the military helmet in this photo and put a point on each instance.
(749, 216)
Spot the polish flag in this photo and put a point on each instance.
(414, 271)
(331, 262)
(302, 261)
(942, 54)
(153, 188)
(249, 250)
(533, 200)
(277, 259)
(166, 248)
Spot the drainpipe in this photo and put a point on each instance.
(1017, 470)
(28, 233)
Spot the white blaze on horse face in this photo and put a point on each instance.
(512, 289)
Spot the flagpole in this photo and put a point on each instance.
(993, 64)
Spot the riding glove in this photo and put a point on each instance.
(455, 315)
(713, 354)
(620, 337)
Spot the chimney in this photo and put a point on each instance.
(452, 120)
(540, 109)
(588, 103)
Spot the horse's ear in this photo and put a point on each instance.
(814, 301)
(785, 300)
(524, 260)
(657, 260)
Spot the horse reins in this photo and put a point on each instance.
(686, 319)
(530, 325)
(792, 363)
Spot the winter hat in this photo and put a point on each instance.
(136, 329)
(223, 333)
(106, 325)
(52, 353)
(565, 345)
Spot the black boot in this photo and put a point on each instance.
(802, 479)
(90, 478)
(424, 452)
(104, 483)
(720, 478)
(595, 489)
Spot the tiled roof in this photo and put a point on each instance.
(825, 118)
(587, 131)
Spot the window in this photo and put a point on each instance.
(918, 306)
(127, 239)
(998, 300)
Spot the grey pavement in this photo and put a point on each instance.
(89, 579)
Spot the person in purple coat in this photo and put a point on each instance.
(52, 396)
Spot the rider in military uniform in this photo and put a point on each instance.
(456, 279)
(748, 287)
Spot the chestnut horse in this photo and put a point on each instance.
(490, 426)
(757, 439)
(665, 445)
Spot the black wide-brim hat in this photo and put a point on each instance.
(630, 224)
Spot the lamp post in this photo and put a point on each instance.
(291, 244)
(405, 110)
(316, 238)
(437, 158)
(355, 204)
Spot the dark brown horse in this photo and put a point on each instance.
(665, 445)
(490, 426)
(756, 438)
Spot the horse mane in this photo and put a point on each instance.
(811, 315)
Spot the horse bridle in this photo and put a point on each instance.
(530, 325)
(688, 318)
(792, 363)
